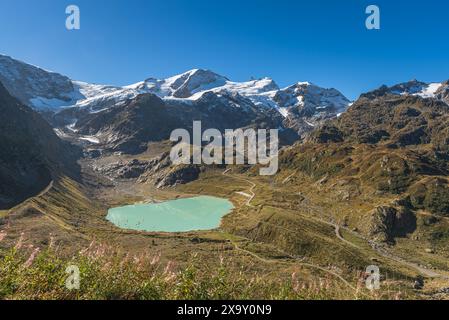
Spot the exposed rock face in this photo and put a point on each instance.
(126, 170)
(179, 175)
(299, 107)
(411, 131)
(30, 152)
(398, 120)
(182, 86)
(326, 134)
(130, 127)
(194, 81)
(390, 142)
(132, 170)
(414, 88)
(310, 103)
(432, 195)
(388, 223)
(158, 171)
(34, 86)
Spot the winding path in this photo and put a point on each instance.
(299, 262)
(251, 190)
(382, 252)
(26, 202)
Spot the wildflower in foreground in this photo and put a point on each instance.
(295, 282)
(85, 251)
(398, 296)
(52, 241)
(169, 272)
(156, 259)
(32, 257)
(169, 267)
(19, 243)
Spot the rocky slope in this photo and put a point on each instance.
(398, 120)
(435, 90)
(30, 152)
(36, 87)
(386, 157)
(131, 126)
(302, 105)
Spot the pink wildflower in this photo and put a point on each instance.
(52, 241)
(169, 267)
(19, 243)
(32, 257)
(156, 259)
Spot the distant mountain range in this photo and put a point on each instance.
(390, 147)
(301, 106)
(122, 119)
(435, 90)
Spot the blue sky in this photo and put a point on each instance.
(325, 42)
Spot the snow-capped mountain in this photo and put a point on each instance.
(307, 100)
(434, 90)
(120, 119)
(36, 87)
(181, 86)
(44, 90)
(417, 88)
(303, 98)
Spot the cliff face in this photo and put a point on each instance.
(36, 87)
(30, 152)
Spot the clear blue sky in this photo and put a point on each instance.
(325, 42)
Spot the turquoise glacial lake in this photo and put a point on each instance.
(181, 215)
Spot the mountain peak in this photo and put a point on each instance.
(416, 88)
(199, 71)
(44, 90)
(304, 84)
(33, 85)
(187, 84)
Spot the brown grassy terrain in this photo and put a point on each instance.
(310, 220)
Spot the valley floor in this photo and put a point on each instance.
(278, 233)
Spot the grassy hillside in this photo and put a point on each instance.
(105, 273)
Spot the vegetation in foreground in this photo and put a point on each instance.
(27, 272)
